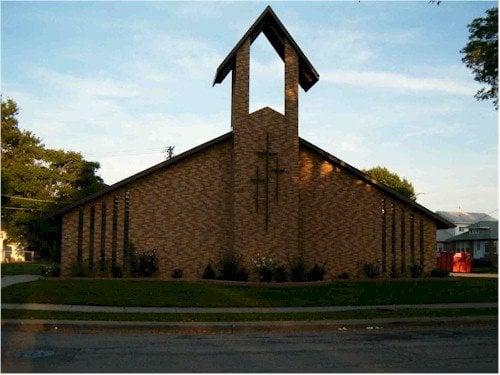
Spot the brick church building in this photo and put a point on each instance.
(259, 190)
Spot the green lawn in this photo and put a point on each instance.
(181, 294)
(244, 317)
(22, 268)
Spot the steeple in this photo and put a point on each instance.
(269, 24)
(265, 151)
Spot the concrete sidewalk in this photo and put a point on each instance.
(17, 279)
(206, 310)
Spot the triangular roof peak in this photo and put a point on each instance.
(269, 24)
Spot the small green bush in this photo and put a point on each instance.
(317, 273)
(116, 271)
(144, 264)
(265, 268)
(177, 273)
(298, 270)
(231, 269)
(280, 274)
(439, 273)
(209, 273)
(80, 269)
(371, 270)
(416, 270)
(51, 270)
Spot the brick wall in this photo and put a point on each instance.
(181, 211)
(341, 222)
(207, 203)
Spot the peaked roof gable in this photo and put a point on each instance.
(489, 231)
(269, 24)
(440, 221)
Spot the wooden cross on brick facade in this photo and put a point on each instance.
(267, 154)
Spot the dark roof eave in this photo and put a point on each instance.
(308, 76)
(441, 223)
(164, 164)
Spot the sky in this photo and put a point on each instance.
(121, 81)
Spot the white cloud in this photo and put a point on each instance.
(397, 81)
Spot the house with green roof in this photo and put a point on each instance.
(480, 240)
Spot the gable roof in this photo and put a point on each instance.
(164, 164)
(489, 231)
(269, 24)
(440, 221)
(457, 217)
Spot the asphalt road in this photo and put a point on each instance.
(439, 349)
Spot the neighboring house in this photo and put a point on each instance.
(259, 190)
(461, 220)
(12, 251)
(480, 240)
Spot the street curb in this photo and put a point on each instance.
(242, 327)
(226, 310)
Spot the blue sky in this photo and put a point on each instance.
(120, 81)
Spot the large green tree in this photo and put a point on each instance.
(481, 54)
(37, 180)
(385, 176)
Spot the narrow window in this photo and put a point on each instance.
(80, 236)
(114, 230)
(393, 239)
(421, 230)
(103, 235)
(383, 236)
(126, 255)
(403, 255)
(91, 237)
(412, 238)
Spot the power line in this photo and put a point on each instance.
(21, 209)
(27, 199)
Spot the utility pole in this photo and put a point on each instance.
(169, 152)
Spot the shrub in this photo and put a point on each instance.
(116, 271)
(317, 273)
(242, 274)
(209, 272)
(371, 270)
(265, 268)
(280, 274)
(439, 273)
(343, 276)
(51, 270)
(144, 264)
(298, 270)
(177, 273)
(79, 269)
(393, 274)
(416, 270)
(230, 268)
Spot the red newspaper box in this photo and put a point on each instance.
(462, 262)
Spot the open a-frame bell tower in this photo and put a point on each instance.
(266, 147)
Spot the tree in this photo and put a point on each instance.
(36, 180)
(481, 54)
(401, 185)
